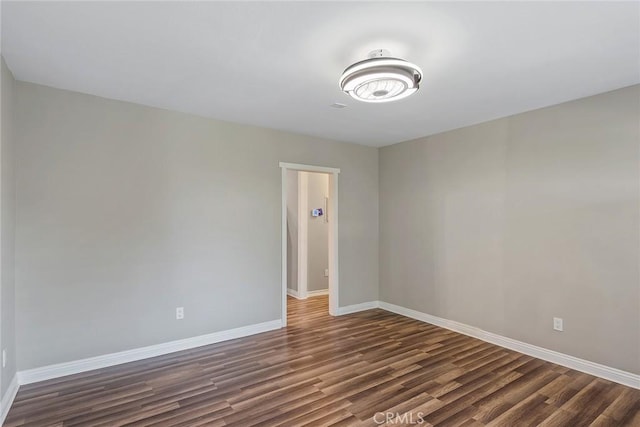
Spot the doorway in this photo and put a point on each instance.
(305, 269)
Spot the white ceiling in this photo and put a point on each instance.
(277, 64)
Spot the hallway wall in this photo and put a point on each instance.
(318, 233)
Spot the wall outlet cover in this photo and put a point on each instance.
(558, 324)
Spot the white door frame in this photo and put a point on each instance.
(333, 233)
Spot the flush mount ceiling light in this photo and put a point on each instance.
(381, 78)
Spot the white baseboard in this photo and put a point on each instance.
(7, 399)
(357, 307)
(592, 368)
(310, 294)
(98, 362)
(317, 293)
(293, 293)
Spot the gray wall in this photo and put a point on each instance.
(503, 225)
(318, 233)
(509, 223)
(7, 230)
(292, 230)
(125, 212)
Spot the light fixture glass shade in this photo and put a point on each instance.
(381, 79)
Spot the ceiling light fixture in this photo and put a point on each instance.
(381, 78)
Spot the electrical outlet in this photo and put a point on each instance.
(179, 313)
(558, 324)
(326, 272)
(4, 358)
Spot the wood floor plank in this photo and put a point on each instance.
(332, 371)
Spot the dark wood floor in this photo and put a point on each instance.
(323, 371)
